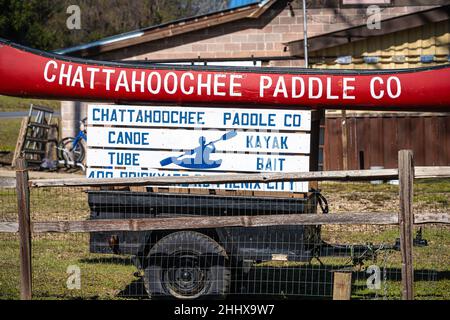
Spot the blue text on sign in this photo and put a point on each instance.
(148, 116)
(123, 158)
(126, 137)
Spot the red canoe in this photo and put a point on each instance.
(26, 72)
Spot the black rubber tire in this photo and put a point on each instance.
(62, 145)
(191, 255)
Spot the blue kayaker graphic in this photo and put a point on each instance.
(201, 159)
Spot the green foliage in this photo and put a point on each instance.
(24, 21)
(42, 23)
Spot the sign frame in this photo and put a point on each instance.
(121, 125)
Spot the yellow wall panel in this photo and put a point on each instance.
(442, 38)
(430, 39)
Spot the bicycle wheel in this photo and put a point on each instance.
(67, 152)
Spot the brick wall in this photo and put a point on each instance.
(71, 114)
(262, 37)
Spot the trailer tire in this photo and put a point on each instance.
(187, 265)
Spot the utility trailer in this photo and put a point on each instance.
(200, 263)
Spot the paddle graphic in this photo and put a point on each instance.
(170, 160)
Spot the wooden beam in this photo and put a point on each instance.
(344, 175)
(230, 221)
(23, 207)
(342, 285)
(405, 218)
(9, 227)
(225, 178)
(430, 218)
(8, 182)
(431, 172)
(213, 222)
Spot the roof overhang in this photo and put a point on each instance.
(167, 30)
(333, 39)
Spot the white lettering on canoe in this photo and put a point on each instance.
(377, 93)
(216, 84)
(46, 71)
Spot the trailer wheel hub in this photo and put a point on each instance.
(186, 279)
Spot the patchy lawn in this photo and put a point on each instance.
(102, 276)
(9, 130)
(10, 104)
(113, 277)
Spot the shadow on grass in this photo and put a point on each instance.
(134, 290)
(305, 282)
(299, 282)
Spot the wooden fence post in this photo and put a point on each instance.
(406, 220)
(20, 140)
(342, 285)
(23, 206)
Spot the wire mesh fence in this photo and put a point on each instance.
(9, 246)
(273, 261)
(432, 262)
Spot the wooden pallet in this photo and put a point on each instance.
(34, 136)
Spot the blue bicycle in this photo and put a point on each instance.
(71, 149)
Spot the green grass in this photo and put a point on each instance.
(429, 194)
(109, 276)
(431, 268)
(9, 104)
(433, 192)
(102, 276)
(9, 130)
(112, 277)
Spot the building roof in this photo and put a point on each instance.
(336, 38)
(240, 3)
(250, 9)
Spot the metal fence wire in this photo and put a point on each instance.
(432, 262)
(276, 261)
(9, 246)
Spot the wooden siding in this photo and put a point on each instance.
(375, 140)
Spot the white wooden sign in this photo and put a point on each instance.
(282, 186)
(139, 141)
(181, 139)
(193, 117)
(236, 162)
